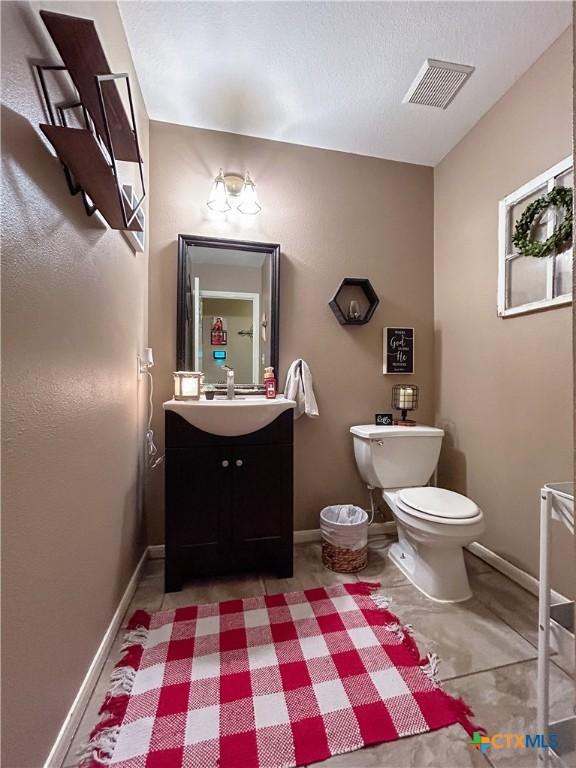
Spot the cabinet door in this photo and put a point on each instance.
(198, 488)
(261, 509)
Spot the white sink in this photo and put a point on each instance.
(230, 418)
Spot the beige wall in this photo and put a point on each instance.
(74, 301)
(503, 385)
(335, 215)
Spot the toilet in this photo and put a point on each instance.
(433, 524)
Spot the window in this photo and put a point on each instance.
(527, 284)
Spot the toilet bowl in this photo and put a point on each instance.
(433, 524)
(431, 538)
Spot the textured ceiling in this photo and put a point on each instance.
(332, 74)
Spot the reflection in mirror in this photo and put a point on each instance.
(227, 309)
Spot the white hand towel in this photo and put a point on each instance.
(299, 388)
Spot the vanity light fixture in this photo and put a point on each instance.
(405, 398)
(231, 191)
(187, 385)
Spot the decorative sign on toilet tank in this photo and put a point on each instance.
(398, 350)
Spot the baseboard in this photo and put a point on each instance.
(520, 577)
(156, 551)
(303, 537)
(376, 529)
(74, 716)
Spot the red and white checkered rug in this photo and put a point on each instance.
(268, 682)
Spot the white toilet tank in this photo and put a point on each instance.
(396, 457)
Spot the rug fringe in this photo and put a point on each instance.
(431, 667)
(134, 637)
(400, 630)
(404, 632)
(463, 714)
(121, 681)
(381, 601)
(98, 751)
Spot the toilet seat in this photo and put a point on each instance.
(438, 505)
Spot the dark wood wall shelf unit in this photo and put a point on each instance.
(360, 290)
(229, 501)
(90, 153)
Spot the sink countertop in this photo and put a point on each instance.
(230, 418)
(243, 400)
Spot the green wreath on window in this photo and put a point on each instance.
(560, 197)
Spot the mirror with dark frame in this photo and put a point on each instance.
(227, 310)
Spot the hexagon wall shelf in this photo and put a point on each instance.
(354, 302)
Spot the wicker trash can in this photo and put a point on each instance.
(344, 531)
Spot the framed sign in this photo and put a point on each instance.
(383, 419)
(218, 338)
(398, 350)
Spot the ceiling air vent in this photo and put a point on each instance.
(437, 83)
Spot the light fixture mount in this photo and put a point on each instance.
(234, 184)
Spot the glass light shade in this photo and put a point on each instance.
(249, 198)
(187, 385)
(218, 200)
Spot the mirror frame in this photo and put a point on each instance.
(271, 249)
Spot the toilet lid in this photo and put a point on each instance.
(439, 502)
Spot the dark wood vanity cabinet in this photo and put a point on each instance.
(229, 501)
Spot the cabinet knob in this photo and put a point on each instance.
(225, 463)
(239, 462)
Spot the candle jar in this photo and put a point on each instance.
(405, 398)
(187, 385)
(354, 310)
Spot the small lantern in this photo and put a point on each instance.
(405, 398)
(187, 385)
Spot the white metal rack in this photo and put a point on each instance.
(555, 630)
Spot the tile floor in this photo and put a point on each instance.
(487, 646)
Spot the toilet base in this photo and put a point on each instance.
(438, 572)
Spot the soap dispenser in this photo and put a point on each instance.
(270, 383)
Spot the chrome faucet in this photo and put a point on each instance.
(229, 382)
